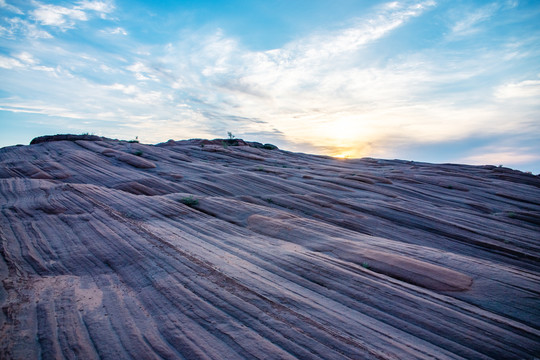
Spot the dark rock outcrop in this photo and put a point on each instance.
(64, 137)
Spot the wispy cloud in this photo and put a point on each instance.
(10, 8)
(58, 16)
(313, 80)
(115, 31)
(27, 58)
(494, 155)
(44, 17)
(321, 47)
(470, 22)
(526, 90)
(66, 17)
(143, 72)
(23, 60)
(103, 7)
(19, 28)
(9, 63)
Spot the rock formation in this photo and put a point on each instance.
(234, 250)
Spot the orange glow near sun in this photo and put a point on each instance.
(350, 152)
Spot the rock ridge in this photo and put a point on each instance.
(230, 249)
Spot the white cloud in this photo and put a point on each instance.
(25, 61)
(9, 63)
(59, 16)
(126, 89)
(46, 68)
(107, 69)
(524, 89)
(118, 31)
(50, 15)
(322, 90)
(41, 109)
(18, 26)
(98, 6)
(151, 97)
(321, 47)
(314, 80)
(27, 58)
(66, 17)
(143, 72)
(512, 3)
(501, 156)
(10, 8)
(136, 94)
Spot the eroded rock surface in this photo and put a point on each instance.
(217, 250)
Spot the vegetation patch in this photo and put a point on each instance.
(189, 201)
(269, 147)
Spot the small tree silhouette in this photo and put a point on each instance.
(231, 136)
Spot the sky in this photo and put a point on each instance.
(436, 80)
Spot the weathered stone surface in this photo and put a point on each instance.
(283, 256)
